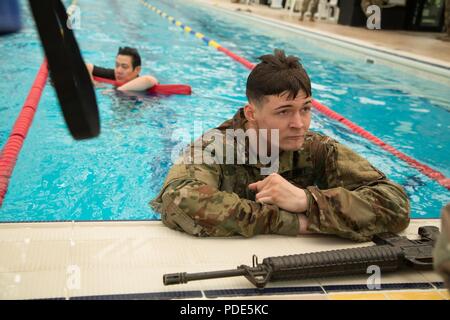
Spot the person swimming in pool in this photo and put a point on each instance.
(126, 71)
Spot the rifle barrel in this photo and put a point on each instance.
(183, 277)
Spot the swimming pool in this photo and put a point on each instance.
(114, 176)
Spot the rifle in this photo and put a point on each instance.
(391, 253)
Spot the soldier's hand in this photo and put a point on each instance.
(278, 191)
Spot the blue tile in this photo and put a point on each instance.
(262, 292)
(384, 286)
(145, 296)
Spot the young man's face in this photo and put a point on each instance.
(291, 117)
(124, 71)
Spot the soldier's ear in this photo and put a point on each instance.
(249, 112)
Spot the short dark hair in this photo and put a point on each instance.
(133, 53)
(276, 74)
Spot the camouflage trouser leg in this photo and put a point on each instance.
(314, 6)
(447, 17)
(305, 6)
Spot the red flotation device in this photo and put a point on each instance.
(166, 89)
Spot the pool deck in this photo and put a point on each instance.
(128, 260)
(424, 46)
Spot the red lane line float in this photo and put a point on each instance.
(241, 60)
(10, 151)
(165, 89)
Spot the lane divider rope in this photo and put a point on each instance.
(10, 151)
(426, 170)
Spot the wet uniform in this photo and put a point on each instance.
(346, 195)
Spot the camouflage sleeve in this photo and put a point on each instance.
(358, 200)
(191, 201)
(441, 251)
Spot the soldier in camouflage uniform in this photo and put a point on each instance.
(320, 186)
(441, 252)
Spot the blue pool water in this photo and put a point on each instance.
(115, 175)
